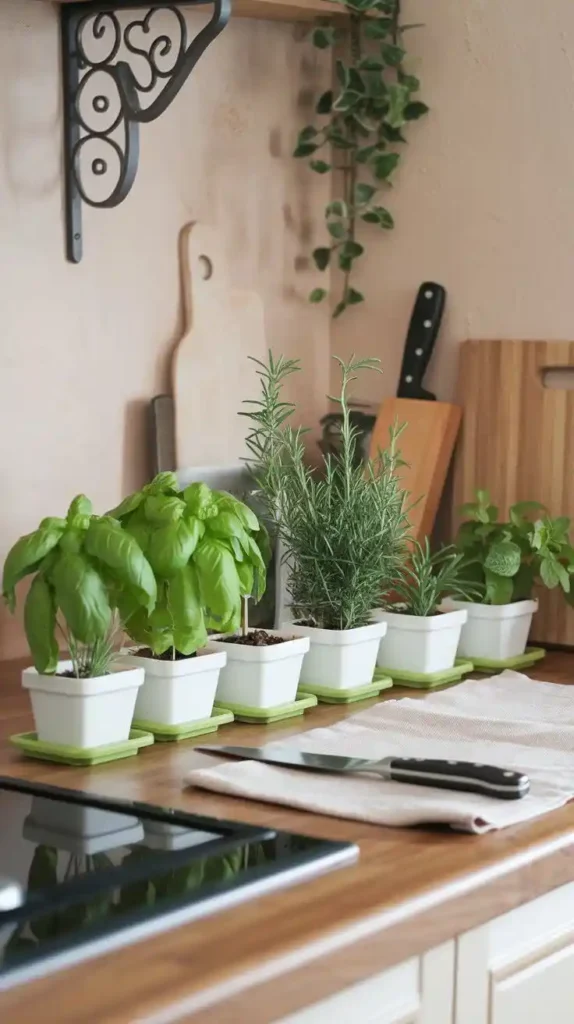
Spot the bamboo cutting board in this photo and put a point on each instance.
(517, 440)
(212, 373)
(426, 445)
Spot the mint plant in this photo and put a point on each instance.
(507, 559)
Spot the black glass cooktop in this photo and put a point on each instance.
(81, 874)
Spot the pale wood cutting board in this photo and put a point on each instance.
(212, 373)
(426, 445)
(517, 440)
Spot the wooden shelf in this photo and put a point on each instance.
(275, 10)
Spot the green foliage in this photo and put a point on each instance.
(362, 124)
(80, 565)
(205, 548)
(343, 531)
(426, 578)
(506, 559)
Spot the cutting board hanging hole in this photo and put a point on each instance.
(557, 378)
(205, 267)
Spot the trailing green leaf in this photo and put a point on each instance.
(321, 258)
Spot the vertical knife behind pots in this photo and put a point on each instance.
(421, 337)
(431, 427)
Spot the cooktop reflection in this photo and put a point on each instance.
(80, 874)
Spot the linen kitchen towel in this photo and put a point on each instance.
(507, 720)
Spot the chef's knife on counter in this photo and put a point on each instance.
(420, 771)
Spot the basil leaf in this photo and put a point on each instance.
(141, 531)
(236, 549)
(40, 626)
(245, 572)
(218, 579)
(138, 627)
(127, 506)
(25, 557)
(119, 551)
(186, 611)
(82, 597)
(198, 498)
(80, 506)
(160, 509)
(163, 483)
(53, 523)
(246, 516)
(226, 525)
(171, 547)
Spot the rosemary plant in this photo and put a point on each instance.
(426, 578)
(343, 530)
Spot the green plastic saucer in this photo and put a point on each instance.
(328, 695)
(79, 757)
(431, 680)
(184, 730)
(264, 716)
(530, 656)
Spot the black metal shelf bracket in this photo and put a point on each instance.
(120, 70)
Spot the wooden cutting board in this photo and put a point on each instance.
(517, 440)
(426, 445)
(212, 373)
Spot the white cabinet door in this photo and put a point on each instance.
(419, 991)
(519, 968)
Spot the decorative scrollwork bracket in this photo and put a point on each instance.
(120, 70)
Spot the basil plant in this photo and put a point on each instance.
(207, 550)
(80, 565)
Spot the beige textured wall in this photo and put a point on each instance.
(83, 349)
(485, 201)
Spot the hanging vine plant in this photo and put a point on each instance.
(366, 113)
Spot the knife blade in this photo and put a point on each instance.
(421, 336)
(468, 776)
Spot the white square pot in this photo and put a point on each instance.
(177, 691)
(261, 677)
(83, 712)
(340, 658)
(417, 643)
(496, 631)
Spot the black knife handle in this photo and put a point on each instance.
(464, 775)
(421, 336)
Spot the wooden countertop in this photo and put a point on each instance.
(409, 891)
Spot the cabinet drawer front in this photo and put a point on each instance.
(542, 993)
(388, 998)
